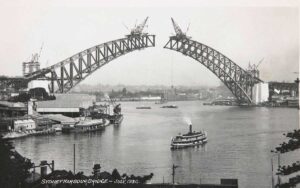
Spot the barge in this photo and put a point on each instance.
(143, 107)
(170, 106)
(85, 126)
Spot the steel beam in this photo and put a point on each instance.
(238, 81)
(76, 68)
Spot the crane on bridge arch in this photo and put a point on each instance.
(63, 76)
(239, 81)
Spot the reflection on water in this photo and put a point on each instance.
(239, 144)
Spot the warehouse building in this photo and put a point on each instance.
(70, 105)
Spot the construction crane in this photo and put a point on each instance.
(138, 29)
(179, 33)
(33, 65)
(253, 69)
(39, 55)
(254, 66)
(36, 56)
(259, 63)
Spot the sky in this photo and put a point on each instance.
(244, 31)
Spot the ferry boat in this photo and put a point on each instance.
(189, 139)
(85, 126)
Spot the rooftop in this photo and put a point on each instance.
(68, 101)
(60, 118)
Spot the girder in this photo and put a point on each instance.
(238, 81)
(71, 71)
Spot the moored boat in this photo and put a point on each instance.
(90, 125)
(102, 112)
(192, 138)
(85, 126)
(116, 119)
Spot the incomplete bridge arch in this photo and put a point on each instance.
(68, 73)
(71, 71)
(238, 81)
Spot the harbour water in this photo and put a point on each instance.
(239, 144)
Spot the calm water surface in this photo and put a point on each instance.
(240, 140)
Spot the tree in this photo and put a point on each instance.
(115, 175)
(14, 168)
(292, 145)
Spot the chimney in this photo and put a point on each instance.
(43, 166)
(31, 107)
(96, 169)
(191, 129)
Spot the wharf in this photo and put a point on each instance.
(14, 134)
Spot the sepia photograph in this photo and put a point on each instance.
(140, 93)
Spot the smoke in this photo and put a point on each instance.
(106, 96)
(187, 120)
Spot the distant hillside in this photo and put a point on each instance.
(85, 88)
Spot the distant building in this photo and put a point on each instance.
(175, 94)
(151, 98)
(283, 88)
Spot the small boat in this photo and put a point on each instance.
(170, 106)
(189, 139)
(143, 107)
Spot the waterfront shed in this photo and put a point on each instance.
(24, 124)
(66, 104)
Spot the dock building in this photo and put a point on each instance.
(70, 105)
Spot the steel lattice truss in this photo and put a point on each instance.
(70, 72)
(239, 81)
